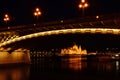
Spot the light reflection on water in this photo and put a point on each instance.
(75, 69)
(73, 63)
(14, 72)
(62, 69)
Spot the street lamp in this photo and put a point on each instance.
(83, 5)
(6, 18)
(97, 17)
(37, 13)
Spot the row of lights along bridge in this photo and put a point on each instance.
(83, 4)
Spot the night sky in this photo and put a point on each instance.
(21, 11)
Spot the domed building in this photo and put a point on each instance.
(73, 50)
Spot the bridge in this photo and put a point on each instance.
(104, 24)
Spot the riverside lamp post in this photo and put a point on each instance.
(37, 13)
(6, 18)
(83, 5)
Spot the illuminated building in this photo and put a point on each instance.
(74, 50)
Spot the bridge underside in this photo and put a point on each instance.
(84, 31)
(86, 40)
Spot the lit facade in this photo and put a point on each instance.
(74, 50)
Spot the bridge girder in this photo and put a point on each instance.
(108, 24)
(62, 31)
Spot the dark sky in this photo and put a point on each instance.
(21, 11)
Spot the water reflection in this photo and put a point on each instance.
(14, 73)
(117, 65)
(74, 69)
(74, 63)
(62, 69)
(77, 64)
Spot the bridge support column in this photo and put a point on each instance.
(16, 57)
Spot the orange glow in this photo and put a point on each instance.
(97, 17)
(37, 9)
(6, 18)
(85, 5)
(37, 12)
(17, 56)
(15, 73)
(6, 15)
(80, 6)
(74, 63)
(82, 1)
(74, 50)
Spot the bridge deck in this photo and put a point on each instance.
(104, 21)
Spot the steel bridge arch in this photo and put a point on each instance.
(63, 31)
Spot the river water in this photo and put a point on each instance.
(62, 69)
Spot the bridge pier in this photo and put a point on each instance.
(15, 57)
